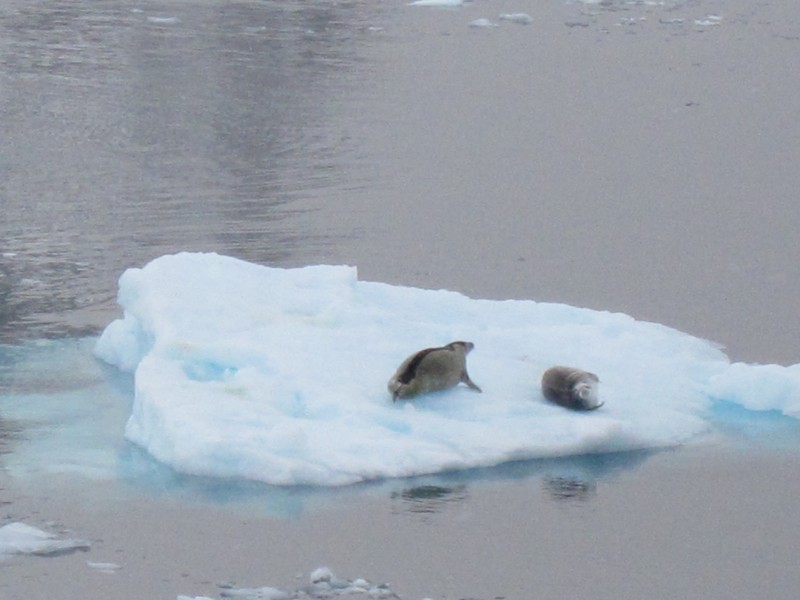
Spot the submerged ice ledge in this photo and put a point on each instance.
(279, 375)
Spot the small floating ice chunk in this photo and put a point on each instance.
(709, 21)
(520, 18)
(482, 23)
(103, 567)
(320, 574)
(163, 20)
(760, 387)
(20, 538)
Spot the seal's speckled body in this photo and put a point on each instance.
(571, 388)
(431, 370)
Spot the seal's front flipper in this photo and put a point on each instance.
(465, 378)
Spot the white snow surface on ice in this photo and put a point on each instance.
(21, 538)
(279, 375)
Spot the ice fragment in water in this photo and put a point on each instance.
(520, 18)
(21, 538)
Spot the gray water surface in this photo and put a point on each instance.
(617, 155)
(623, 156)
(134, 130)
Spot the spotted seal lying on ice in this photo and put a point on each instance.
(572, 388)
(431, 370)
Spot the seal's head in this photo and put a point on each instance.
(584, 392)
(465, 347)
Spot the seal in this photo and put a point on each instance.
(431, 370)
(571, 388)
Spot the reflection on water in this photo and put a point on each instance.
(427, 499)
(419, 497)
(9, 431)
(569, 488)
(574, 479)
(570, 479)
(133, 132)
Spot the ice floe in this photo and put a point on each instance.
(483, 22)
(279, 375)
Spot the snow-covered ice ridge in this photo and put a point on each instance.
(279, 375)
